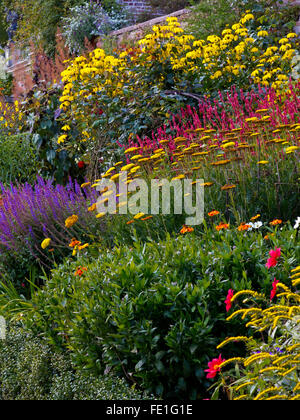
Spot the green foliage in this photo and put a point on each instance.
(213, 16)
(29, 370)
(284, 344)
(155, 311)
(91, 20)
(39, 20)
(6, 85)
(18, 161)
(40, 109)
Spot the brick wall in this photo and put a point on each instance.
(137, 7)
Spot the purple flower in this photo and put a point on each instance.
(31, 213)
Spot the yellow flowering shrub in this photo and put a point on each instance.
(11, 118)
(108, 97)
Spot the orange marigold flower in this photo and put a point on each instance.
(243, 227)
(255, 217)
(213, 213)
(276, 222)
(222, 226)
(130, 222)
(186, 229)
(74, 243)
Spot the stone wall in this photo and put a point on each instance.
(137, 31)
(137, 7)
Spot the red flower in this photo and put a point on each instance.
(228, 299)
(274, 255)
(214, 367)
(80, 270)
(274, 290)
(81, 164)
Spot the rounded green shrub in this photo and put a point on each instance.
(155, 311)
(29, 370)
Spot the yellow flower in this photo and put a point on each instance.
(92, 207)
(228, 144)
(70, 221)
(100, 215)
(86, 184)
(291, 149)
(46, 243)
(262, 33)
(139, 216)
(61, 139)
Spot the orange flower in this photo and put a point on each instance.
(267, 237)
(130, 222)
(228, 187)
(276, 222)
(147, 218)
(213, 213)
(74, 243)
(243, 227)
(186, 229)
(222, 226)
(255, 218)
(70, 221)
(80, 270)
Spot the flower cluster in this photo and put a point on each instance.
(166, 60)
(274, 367)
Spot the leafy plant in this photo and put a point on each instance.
(271, 369)
(213, 16)
(18, 162)
(30, 370)
(6, 84)
(110, 98)
(88, 21)
(31, 214)
(155, 311)
(41, 109)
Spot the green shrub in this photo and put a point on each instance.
(6, 84)
(41, 110)
(213, 16)
(29, 370)
(155, 311)
(17, 159)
